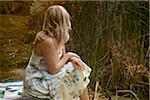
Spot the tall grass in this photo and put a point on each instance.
(110, 36)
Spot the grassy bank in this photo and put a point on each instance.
(15, 47)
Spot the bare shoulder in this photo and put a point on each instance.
(44, 44)
(48, 42)
(47, 46)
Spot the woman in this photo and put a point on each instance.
(51, 72)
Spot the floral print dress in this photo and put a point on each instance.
(67, 84)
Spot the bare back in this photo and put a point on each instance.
(37, 46)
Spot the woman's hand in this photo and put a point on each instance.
(77, 62)
(71, 54)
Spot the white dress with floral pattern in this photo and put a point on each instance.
(67, 84)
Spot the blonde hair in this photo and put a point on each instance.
(56, 23)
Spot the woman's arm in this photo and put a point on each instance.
(48, 51)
